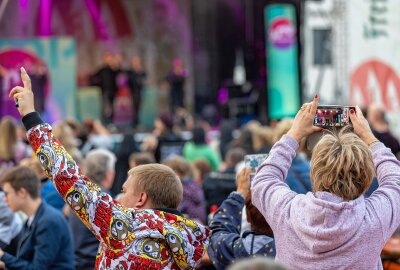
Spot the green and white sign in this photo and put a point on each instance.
(283, 87)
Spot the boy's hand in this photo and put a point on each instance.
(23, 96)
(303, 123)
(243, 181)
(361, 126)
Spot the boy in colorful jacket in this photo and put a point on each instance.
(143, 229)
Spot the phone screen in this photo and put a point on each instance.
(332, 116)
(254, 161)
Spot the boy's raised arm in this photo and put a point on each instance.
(86, 199)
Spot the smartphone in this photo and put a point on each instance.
(332, 116)
(254, 161)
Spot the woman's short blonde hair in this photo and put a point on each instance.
(342, 164)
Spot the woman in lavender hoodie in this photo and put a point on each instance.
(334, 227)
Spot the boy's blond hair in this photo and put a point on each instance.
(160, 183)
(342, 165)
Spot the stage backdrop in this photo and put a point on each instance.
(51, 63)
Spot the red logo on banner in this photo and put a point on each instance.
(375, 81)
(282, 33)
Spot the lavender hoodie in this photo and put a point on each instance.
(320, 230)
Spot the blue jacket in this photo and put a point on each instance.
(51, 196)
(298, 177)
(46, 244)
(227, 244)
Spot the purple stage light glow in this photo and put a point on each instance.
(223, 95)
(23, 17)
(100, 25)
(45, 18)
(23, 4)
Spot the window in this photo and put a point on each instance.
(322, 45)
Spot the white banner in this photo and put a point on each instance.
(374, 55)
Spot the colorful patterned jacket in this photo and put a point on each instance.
(129, 239)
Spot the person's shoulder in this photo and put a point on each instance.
(258, 243)
(300, 163)
(253, 236)
(52, 216)
(192, 185)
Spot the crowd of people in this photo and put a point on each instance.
(70, 199)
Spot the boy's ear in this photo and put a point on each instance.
(23, 192)
(143, 198)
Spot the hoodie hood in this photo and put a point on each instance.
(323, 221)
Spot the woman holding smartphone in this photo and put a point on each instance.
(333, 227)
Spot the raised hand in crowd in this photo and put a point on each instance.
(303, 122)
(361, 127)
(119, 225)
(243, 182)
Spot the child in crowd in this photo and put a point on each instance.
(227, 244)
(46, 241)
(143, 230)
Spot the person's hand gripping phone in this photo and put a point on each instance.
(361, 127)
(303, 123)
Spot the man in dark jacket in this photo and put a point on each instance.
(106, 79)
(136, 80)
(46, 239)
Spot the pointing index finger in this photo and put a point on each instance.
(25, 79)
